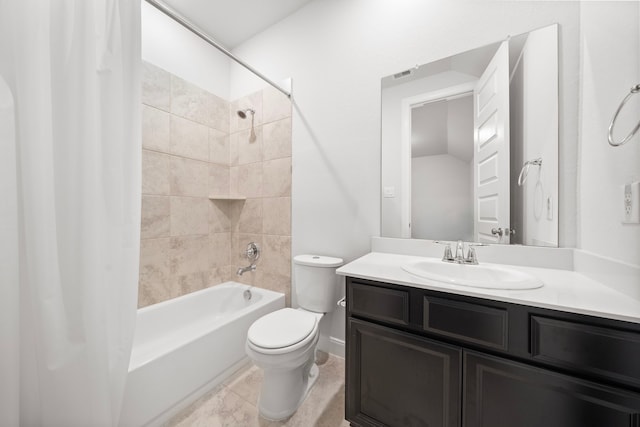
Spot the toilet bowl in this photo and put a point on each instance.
(283, 343)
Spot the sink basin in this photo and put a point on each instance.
(489, 276)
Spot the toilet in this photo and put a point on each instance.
(283, 343)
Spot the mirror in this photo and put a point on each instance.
(470, 145)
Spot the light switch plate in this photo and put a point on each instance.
(631, 203)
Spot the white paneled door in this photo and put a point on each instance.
(491, 150)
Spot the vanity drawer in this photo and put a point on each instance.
(468, 322)
(378, 303)
(607, 352)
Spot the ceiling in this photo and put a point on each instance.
(232, 22)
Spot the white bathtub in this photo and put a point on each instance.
(188, 345)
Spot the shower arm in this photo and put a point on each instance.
(173, 14)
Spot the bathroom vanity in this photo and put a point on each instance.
(421, 353)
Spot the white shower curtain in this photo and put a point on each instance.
(70, 208)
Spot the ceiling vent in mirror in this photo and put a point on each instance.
(402, 74)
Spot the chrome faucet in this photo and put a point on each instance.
(252, 253)
(243, 270)
(459, 252)
(471, 257)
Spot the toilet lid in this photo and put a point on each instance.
(281, 328)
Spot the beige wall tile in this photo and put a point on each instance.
(220, 274)
(220, 245)
(253, 101)
(155, 278)
(233, 180)
(249, 146)
(220, 216)
(250, 219)
(276, 215)
(189, 215)
(219, 147)
(278, 283)
(276, 139)
(190, 101)
(219, 180)
(275, 105)
(155, 129)
(233, 149)
(156, 86)
(190, 254)
(155, 217)
(276, 266)
(189, 139)
(192, 282)
(189, 154)
(235, 209)
(276, 180)
(250, 180)
(218, 117)
(155, 173)
(277, 254)
(189, 177)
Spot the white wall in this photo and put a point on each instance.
(441, 198)
(170, 46)
(534, 126)
(610, 66)
(336, 51)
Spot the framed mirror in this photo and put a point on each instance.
(470, 145)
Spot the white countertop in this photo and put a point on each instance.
(563, 290)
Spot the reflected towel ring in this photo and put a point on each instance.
(635, 89)
(522, 178)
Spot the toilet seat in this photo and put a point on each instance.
(282, 331)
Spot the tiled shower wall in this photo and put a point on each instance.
(196, 147)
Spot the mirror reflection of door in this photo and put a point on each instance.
(491, 151)
(460, 158)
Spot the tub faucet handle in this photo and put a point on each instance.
(252, 252)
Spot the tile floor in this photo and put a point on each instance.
(234, 402)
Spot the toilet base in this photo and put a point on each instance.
(265, 413)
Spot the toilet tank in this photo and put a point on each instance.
(316, 281)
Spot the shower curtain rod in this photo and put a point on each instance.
(198, 32)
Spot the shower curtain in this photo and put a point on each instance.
(69, 208)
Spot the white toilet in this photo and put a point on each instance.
(283, 343)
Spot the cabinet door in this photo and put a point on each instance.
(502, 393)
(396, 379)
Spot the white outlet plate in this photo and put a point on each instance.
(631, 203)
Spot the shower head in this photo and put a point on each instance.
(243, 113)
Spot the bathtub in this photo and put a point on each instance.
(186, 346)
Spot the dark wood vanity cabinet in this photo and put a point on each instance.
(423, 390)
(423, 358)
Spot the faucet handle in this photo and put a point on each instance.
(448, 256)
(471, 256)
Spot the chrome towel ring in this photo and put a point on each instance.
(635, 89)
(524, 172)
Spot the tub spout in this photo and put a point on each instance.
(243, 270)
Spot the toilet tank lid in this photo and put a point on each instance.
(318, 261)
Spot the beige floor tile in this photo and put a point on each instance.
(234, 402)
(248, 385)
